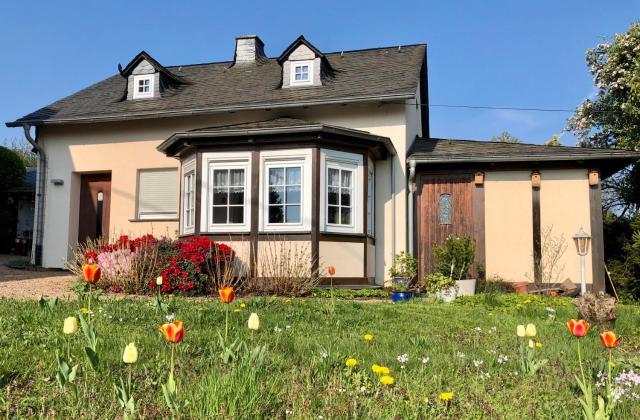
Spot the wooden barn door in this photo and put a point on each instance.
(444, 207)
(95, 200)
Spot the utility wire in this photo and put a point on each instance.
(507, 108)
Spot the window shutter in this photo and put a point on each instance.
(158, 194)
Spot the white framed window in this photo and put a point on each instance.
(285, 196)
(301, 72)
(189, 197)
(371, 202)
(143, 86)
(157, 196)
(227, 191)
(341, 192)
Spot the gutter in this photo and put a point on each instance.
(528, 158)
(411, 178)
(200, 111)
(41, 183)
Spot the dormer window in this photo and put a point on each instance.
(301, 72)
(143, 86)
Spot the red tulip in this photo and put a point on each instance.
(173, 331)
(91, 273)
(578, 328)
(227, 295)
(331, 270)
(609, 340)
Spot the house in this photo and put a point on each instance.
(328, 150)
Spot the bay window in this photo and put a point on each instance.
(189, 197)
(341, 192)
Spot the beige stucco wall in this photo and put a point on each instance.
(371, 260)
(274, 256)
(564, 206)
(508, 225)
(346, 257)
(124, 147)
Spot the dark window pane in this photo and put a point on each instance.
(332, 214)
(220, 196)
(293, 195)
(334, 177)
(276, 214)
(220, 178)
(444, 209)
(276, 195)
(345, 216)
(236, 177)
(276, 176)
(332, 196)
(236, 214)
(219, 215)
(293, 214)
(293, 176)
(346, 197)
(236, 195)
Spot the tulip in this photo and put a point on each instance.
(159, 281)
(331, 270)
(521, 331)
(531, 344)
(173, 331)
(70, 325)
(130, 354)
(578, 328)
(227, 295)
(91, 273)
(530, 330)
(609, 340)
(254, 322)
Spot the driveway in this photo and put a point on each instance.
(26, 284)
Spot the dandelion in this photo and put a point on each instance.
(478, 329)
(351, 362)
(502, 359)
(368, 337)
(386, 380)
(277, 329)
(384, 370)
(538, 344)
(402, 359)
(376, 369)
(446, 396)
(478, 363)
(171, 317)
(237, 310)
(425, 360)
(324, 354)
(493, 329)
(460, 354)
(84, 310)
(242, 305)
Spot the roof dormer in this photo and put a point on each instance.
(146, 78)
(303, 65)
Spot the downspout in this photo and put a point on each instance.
(393, 211)
(38, 228)
(412, 177)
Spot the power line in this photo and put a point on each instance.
(505, 108)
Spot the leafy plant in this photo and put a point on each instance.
(455, 257)
(438, 282)
(404, 265)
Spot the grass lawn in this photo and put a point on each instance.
(303, 372)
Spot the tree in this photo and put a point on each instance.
(505, 137)
(12, 170)
(612, 118)
(23, 149)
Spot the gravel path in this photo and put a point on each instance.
(26, 284)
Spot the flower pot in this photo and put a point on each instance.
(401, 296)
(447, 295)
(402, 281)
(466, 287)
(520, 287)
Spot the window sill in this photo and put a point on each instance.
(169, 219)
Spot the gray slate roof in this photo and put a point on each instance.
(374, 74)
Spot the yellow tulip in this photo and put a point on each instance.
(70, 325)
(130, 354)
(159, 281)
(254, 322)
(531, 344)
(531, 330)
(521, 331)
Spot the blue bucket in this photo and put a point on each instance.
(401, 296)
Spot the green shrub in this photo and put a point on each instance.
(455, 257)
(404, 265)
(436, 282)
(12, 170)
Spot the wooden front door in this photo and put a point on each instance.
(444, 207)
(95, 200)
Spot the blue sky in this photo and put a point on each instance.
(481, 53)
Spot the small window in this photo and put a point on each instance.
(285, 194)
(228, 196)
(143, 86)
(340, 196)
(444, 209)
(189, 201)
(301, 72)
(158, 194)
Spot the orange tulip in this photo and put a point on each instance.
(331, 270)
(553, 293)
(173, 331)
(227, 295)
(578, 328)
(91, 273)
(609, 340)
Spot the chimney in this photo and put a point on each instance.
(249, 48)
